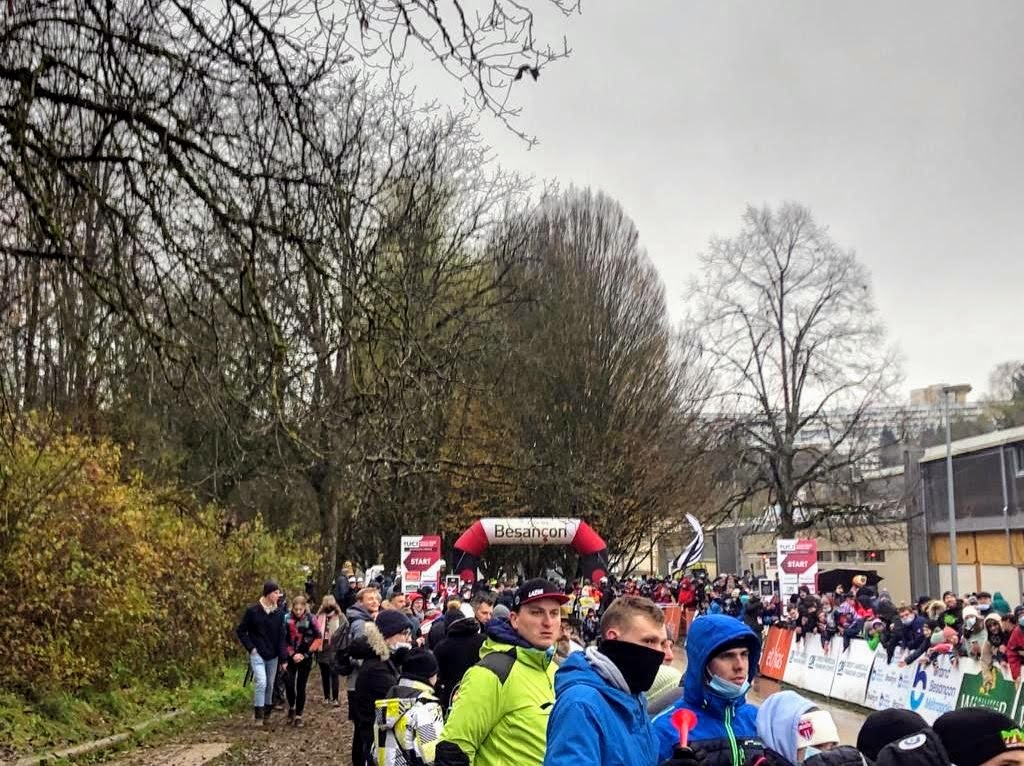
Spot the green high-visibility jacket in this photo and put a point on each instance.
(504, 724)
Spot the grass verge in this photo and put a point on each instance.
(59, 719)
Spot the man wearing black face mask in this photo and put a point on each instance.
(602, 690)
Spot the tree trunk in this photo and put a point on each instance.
(327, 507)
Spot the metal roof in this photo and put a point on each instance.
(974, 444)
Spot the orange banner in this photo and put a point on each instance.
(775, 653)
(673, 614)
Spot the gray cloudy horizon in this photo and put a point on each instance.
(901, 126)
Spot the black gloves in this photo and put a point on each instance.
(684, 756)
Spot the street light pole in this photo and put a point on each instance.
(947, 391)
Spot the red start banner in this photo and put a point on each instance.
(420, 561)
(798, 565)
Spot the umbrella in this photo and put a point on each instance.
(827, 581)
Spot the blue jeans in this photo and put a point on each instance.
(264, 673)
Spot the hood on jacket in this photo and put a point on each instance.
(934, 609)
(467, 626)
(358, 612)
(707, 634)
(777, 721)
(1000, 604)
(503, 632)
(578, 669)
(376, 641)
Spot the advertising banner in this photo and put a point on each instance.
(420, 561)
(775, 653)
(853, 668)
(991, 690)
(934, 689)
(810, 665)
(929, 690)
(798, 565)
(821, 665)
(796, 664)
(673, 614)
(884, 688)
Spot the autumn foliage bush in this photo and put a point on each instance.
(108, 580)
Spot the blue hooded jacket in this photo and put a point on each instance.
(725, 728)
(594, 722)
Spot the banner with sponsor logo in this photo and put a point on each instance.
(798, 565)
(853, 667)
(420, 561)
(929, 690)
(775, 653)
(796, 665)
(883, 689)
(811, 664)
(867, 678)
(990, 689)
(934, 688)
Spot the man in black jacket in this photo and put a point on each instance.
(382, 647)
(457, 653)
(261, 632)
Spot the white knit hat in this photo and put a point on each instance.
(816, 728)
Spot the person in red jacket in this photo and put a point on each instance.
(1015, 646)
(687, 595)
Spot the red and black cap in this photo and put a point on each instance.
(536, 590)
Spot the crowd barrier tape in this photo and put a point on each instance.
(864, 677)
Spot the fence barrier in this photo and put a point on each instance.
(864, 677)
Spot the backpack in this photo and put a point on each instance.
(499, 663)
(340, 643)
(392, 739)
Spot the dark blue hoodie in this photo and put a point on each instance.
(594, 722)
(726, 729)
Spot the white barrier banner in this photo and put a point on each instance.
(796, 666)
(884, 688)
(853, 668)
(929, 690)
(934, 689)
(821, 665)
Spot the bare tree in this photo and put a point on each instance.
(593, 410)
(201, 204)
(790, 331)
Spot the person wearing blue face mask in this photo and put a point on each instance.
(909, 633)
(722, 655)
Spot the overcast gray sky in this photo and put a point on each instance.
(901, 125)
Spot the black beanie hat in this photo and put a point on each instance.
(885, 726)
(973, 735)
(391, 622)
(419, 665)
(269, 587)
(920, 749)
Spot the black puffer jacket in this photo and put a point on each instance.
(378, 673)
(457, 653)
(843, 755)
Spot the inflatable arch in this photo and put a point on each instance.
(474, 541)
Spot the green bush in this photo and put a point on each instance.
(111, 581)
